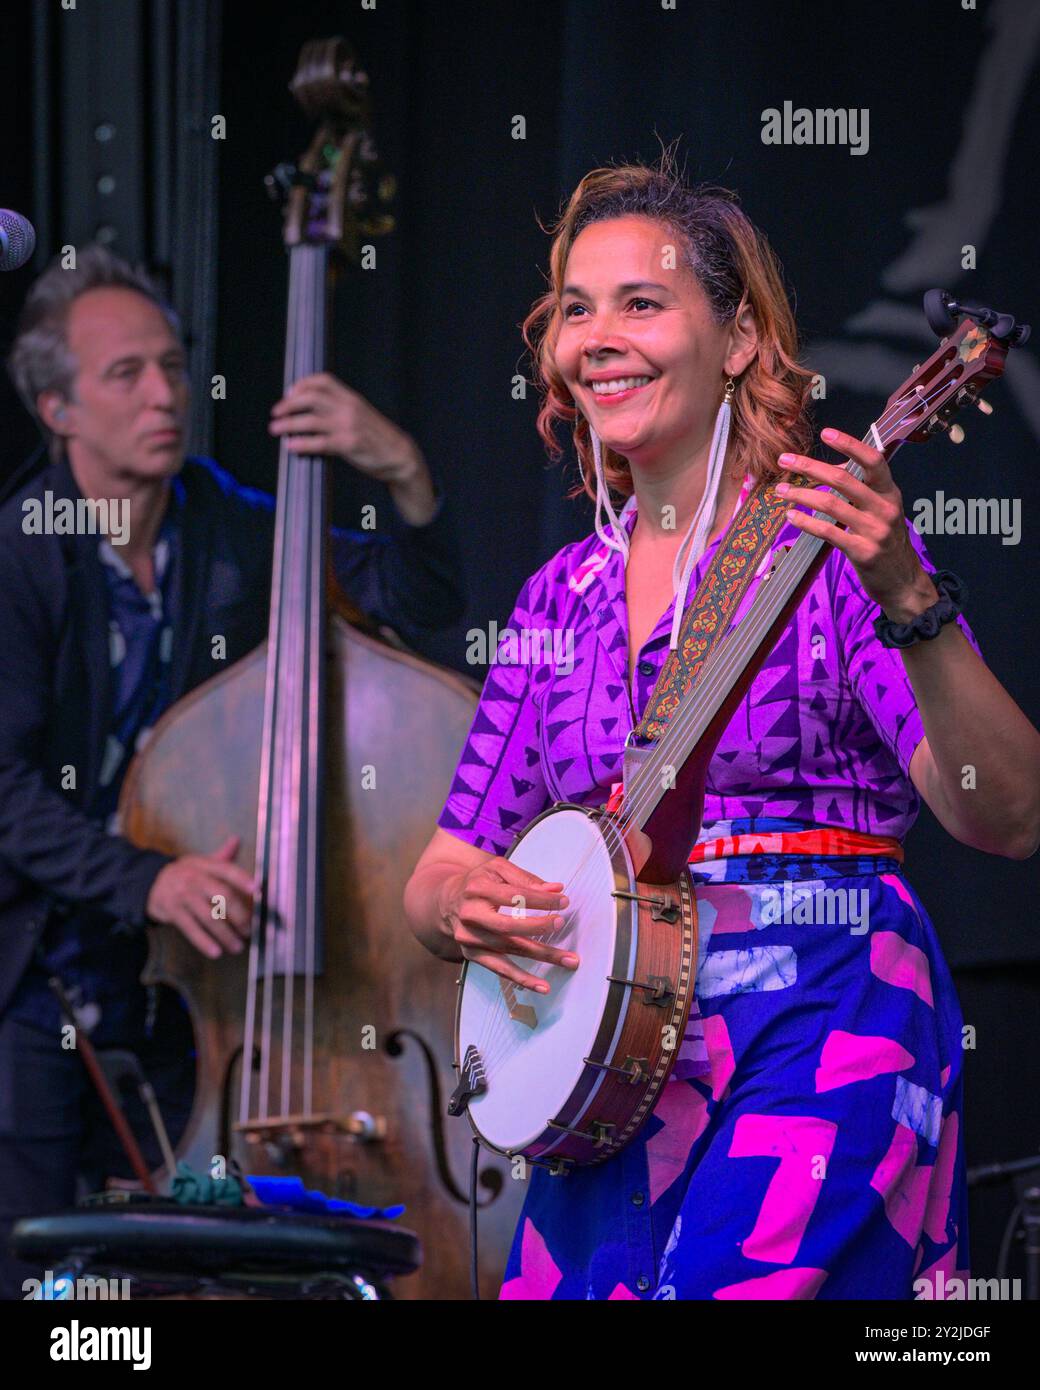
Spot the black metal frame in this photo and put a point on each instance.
(124, 95)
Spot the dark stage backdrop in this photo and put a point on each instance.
(431, 336)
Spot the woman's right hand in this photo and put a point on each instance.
(470, 915)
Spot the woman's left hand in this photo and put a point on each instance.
(872, 527)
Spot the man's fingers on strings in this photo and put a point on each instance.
(187, 926)
(233, 874)
(219, 930)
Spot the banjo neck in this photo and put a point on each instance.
(667, 785)
(665, 781)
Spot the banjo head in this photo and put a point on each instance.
(532, 1045)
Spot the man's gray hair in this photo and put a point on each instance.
(40, 359)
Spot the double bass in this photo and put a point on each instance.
(322, 1049)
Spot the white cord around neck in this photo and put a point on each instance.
(617, 537)
(614, 535)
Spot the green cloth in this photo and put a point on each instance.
(199, 1189)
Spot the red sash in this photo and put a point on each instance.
(814, 840)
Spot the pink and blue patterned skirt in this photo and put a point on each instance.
(809, 1141)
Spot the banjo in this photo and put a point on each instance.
(567, 1078)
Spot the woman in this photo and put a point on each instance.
(808, 1143)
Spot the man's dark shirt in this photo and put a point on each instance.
(72, 895)
(98, 961)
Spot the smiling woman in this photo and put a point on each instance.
(808, 1143)
(700, 265)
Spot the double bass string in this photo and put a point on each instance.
(287, 742)
(267, 797)
(266, 801)
(311, 848)
(279, 682)
(298, 829)
(292, 704)
(291, 751)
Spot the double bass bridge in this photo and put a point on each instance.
(293, 1131)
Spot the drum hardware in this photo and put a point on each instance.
(661, 909)
(636, 1069)
(601, 1135)
(659, 987)
(556, 1167)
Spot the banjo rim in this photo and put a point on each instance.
(630, 918)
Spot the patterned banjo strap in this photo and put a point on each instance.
(736, 562)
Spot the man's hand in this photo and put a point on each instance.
(183, 894)
(320, 415)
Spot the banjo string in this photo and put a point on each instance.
(731, 657)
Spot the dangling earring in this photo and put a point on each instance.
(696, 538)
(617, 538)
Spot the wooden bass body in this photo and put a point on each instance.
(383, 1007)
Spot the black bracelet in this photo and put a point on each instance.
(953, 594)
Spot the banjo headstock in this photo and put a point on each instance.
(971, 355)
(337, 193)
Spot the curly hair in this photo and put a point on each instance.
(733, 264)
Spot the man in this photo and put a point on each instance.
(101, 633)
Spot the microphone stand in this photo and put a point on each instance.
(1028, 1189)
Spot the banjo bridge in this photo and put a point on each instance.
(519, 1013)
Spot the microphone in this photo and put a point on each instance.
(17, 240)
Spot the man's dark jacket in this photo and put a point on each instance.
(55, 675)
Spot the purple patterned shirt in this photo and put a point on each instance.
(824, 735)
